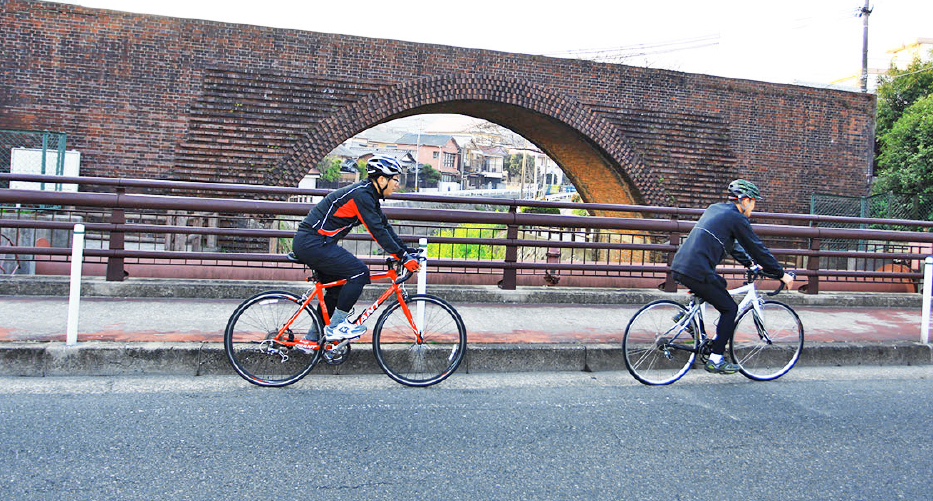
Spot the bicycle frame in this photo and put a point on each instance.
(697, 310)
(395, 288)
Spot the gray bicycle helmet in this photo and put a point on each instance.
(741, 188)
(383, 166)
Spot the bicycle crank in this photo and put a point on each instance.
(338, 353)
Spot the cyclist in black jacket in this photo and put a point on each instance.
(724, 229)
(331, 219)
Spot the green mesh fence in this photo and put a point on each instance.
(32, 152)
(915, 206)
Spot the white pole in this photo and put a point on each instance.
(74, 298)
(927, 292)
(422, 283)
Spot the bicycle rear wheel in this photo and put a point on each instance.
(250, 344)
(766, 346)
(427, 361)
(654, 351)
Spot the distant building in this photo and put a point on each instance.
(439, 151)
(482, 166)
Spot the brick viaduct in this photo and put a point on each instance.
(159, 97)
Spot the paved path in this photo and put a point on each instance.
(32, 318)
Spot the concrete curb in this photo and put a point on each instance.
(26, 285)
(198, 359)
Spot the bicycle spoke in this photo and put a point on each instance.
(251, 344)
(767, 346)
(432, 359)
(650, 355)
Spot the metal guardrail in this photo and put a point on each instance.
(658, 237)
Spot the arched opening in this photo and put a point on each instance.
(597, 159)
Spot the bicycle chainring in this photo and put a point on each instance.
(337, 356)
(706, 349)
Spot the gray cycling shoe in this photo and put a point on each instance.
(722, 367)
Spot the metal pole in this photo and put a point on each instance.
(864, 13)
(74, 298)
(422, 284)
(927, 291)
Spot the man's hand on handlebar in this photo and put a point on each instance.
(788, 280)
(411, 262)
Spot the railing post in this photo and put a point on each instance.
(927, 292)
(669, 284)
(509, 279)
(813, 265)
(74, 292)
(115, 270)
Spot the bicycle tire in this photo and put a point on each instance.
(247, 335)
(649, 355)
(759, 359)
(410, 362)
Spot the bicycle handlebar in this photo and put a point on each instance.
(755, 273)
(399, 265)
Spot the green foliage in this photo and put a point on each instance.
(905, 160)
(429, 174)
(330, 169)
(539, 210)
(513, 164)
(469, 251)
(898, 90)
(904, 130)
(361, 167)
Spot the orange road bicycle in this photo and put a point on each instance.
(418, 340)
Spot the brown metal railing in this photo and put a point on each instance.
(652, 239)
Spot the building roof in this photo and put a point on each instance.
(379, 136)
(438, 140)
(493, 151)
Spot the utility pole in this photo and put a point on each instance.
(864, 13)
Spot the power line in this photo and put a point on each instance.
(644, 48)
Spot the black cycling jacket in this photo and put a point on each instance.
(722, 230)
(341, 210)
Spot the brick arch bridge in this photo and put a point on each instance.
(160, 97)
(598, 160)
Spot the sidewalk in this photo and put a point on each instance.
(163, 326)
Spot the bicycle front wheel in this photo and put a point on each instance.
(768, 345)
(421, 341)
(657, 350)
(254, 347)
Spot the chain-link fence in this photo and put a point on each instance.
(915, 206)
(36, 152)
(907, 206)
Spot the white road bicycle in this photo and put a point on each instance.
(664, 338)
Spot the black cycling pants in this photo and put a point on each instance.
(713, 290)
(332, 262)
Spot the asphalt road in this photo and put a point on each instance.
(818, 433)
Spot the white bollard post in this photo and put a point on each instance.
(74, 297)
(927, 292)
(422, 283)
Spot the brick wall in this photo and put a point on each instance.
(159, 97)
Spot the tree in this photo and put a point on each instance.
(899, 89)
(361, 166)
(329, 168)
(906, 157)
(429, 175)
(513, 164)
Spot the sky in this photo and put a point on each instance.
(790, 41)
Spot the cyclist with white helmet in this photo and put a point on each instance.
(724, 229)
(331, 219)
